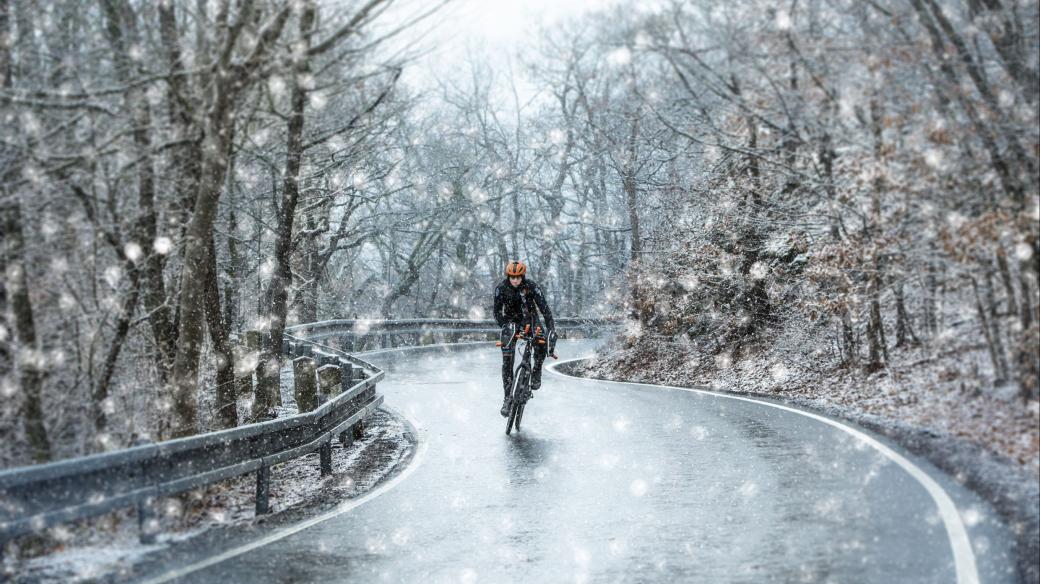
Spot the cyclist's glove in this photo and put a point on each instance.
(508, 335)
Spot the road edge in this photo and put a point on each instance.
(965, 463)
(309, 513)
(386, 483)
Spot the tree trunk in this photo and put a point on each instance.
(122, 329)
(904, 330)
(14, 291)
(931, 286)
(420, 254)
(876, 346)
(987, 332)
(281, 279)
(1025, 307)
(145, 229)
(555, 196)
(1005, 277)
(995, 332)
(848, 336)
(462, 264)
(193, 281)
(631, 189)
(31, 375)
(1006, 34)
(978, 77)
(235, 270)
(219, 336)
(875, 328)
(307, 294)
(121, 30)
(228, 82)
(1008, 179)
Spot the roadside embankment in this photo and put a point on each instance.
(986, 439)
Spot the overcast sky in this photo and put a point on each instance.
(496, 30)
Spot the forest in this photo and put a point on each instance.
(854, 180)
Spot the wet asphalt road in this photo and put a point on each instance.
(610, 482)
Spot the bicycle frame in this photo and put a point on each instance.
(524, 366)
(521, 390)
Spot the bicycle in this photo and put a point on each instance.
(521, 390)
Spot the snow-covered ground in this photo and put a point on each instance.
(939, 407)
(109, 545)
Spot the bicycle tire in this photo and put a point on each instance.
(519, 416)
(520, 383)
(512, 417)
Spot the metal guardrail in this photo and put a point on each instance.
(40, 496)
(35, 497)
(386, 332)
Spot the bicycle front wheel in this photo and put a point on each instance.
(521, 381)
(514, 409)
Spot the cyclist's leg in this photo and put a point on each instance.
(539, 358)
(507, 376)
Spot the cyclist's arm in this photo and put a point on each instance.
(543, 307)
(499, 304)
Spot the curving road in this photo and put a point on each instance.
(611, 482)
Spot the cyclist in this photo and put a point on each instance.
(517, 302)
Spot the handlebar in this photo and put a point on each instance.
(537, 337)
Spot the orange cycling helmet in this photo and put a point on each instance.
(515, 269)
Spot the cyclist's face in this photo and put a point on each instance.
(515, 280)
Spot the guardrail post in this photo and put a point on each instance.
(330, 380)
(304, 384)
(147, 524)
(325, 454)
(263, 490)
(346, 376)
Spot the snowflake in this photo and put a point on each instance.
(276, 85)
(619, 57)
(758, 271)
(401, 536)
(162, 245)
(318, 100)
(621, 424)
(972, 516)
(934, 158)
(112, 275)
(133, 251)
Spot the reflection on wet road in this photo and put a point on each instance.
(618, 483)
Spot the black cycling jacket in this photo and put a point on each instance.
(510, 303)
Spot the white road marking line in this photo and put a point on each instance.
(960, 545)
(285, 532)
